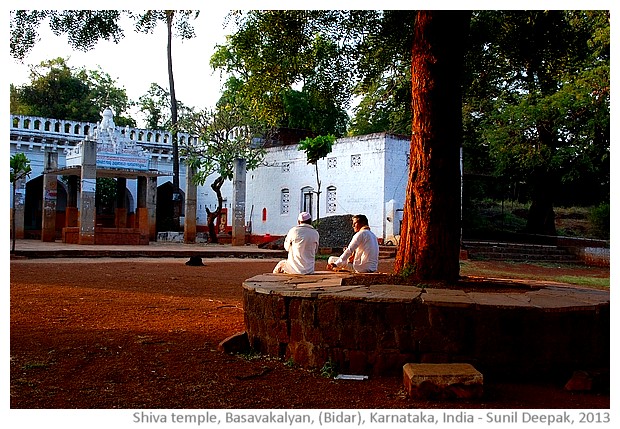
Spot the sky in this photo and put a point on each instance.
(140, 59)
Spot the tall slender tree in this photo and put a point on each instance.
(85, 27)
(20, 169)
(179, 21)
(317, 148)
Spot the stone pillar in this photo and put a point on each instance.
(71, 211)
(142, 212)
(389, 222)
(50, 190)
(151, 205)
(189, 228)
(238, 218)
(120, 214)
(87, 192)
(19, 204)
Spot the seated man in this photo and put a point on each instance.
(362, 253)
(301, 242)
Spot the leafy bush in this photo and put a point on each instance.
(600, 220)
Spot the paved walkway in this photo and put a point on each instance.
(40, 249)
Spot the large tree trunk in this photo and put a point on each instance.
(541, 216)
(430, 233)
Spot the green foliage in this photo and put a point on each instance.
(179, 21)
(84, 28)
(226, 134)
(469, 268)
(20, 167)
(105, 197)
(59, 91)
(155, 105)
(408, 271)
(384, 66)
(317, 147)
(307, 110)
(600, 217)
(329, 369)
(273, 52)
(487, 218)
(536, 110)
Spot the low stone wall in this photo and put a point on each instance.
(119, 236)
(546, 331)
(594, 256)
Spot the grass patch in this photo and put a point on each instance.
(472, 269)
(35, 365)
(595, 282)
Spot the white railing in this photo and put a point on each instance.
(78, 129)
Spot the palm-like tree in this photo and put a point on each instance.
(20, 168)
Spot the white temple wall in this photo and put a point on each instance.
(363, 174)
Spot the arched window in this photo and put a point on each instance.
(285, 201)
(331, 199)
(264, 214)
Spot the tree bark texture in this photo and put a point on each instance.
(430, 234)
(212, 216)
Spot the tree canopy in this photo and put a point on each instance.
(537, 104)
(225, 133)
(59, 91)
(290, 67)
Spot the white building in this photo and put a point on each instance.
(364, 174)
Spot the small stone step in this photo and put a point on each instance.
(387, 252)
(442, 381)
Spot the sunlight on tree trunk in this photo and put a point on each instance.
(430, 233)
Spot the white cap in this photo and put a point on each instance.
(304, 216)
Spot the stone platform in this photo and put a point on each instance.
(363, 325)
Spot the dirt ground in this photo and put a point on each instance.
(143, 334)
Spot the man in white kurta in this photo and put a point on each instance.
(302, 243)
(362, 253)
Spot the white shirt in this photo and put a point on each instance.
(301, 242)
(366, 247)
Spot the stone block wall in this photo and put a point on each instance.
(377, 329)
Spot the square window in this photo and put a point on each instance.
(356, 160)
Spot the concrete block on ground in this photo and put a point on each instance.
(442, 381)
(597, 380)
(237, 343)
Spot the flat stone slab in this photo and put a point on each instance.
(442, 381)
